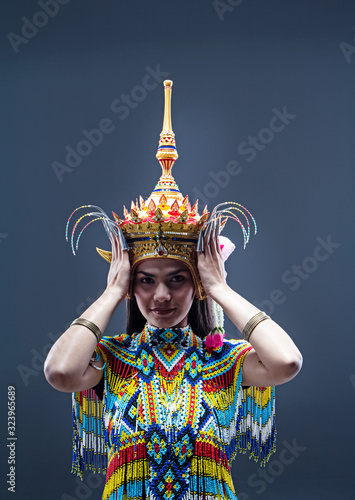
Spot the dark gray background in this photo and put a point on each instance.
(228, 77)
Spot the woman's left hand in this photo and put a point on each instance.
(211, 265)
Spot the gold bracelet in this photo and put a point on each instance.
(252, 323)
(91, 326)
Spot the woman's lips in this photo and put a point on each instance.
(162, 312)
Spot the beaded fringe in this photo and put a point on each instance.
(248, 425)
(246, 417)
(89, 450)
(257, 430)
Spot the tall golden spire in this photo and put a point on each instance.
(167, 146)
(167, 154)
(168, 84)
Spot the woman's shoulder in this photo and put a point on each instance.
(236, 343)
(230, 349)
(236, 347)
(224, 358)
(119, 350)
(118, 345)
(231, 345)
(122, 339)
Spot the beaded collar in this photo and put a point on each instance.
(161, 336)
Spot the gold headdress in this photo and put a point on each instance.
(165, 225)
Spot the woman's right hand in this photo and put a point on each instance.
(120, 270)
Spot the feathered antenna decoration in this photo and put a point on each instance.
(111, 227)
(219, 218)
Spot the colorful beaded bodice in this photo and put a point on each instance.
(172, 418)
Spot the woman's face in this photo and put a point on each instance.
(164, 291)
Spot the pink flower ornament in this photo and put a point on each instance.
(227, 247)
(214, 339)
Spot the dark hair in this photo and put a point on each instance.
(200, 317)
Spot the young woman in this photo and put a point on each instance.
(164, 408)
(164, 295)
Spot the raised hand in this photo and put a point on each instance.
(211, 265)
(120, 270)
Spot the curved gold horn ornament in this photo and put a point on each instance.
(165, 225)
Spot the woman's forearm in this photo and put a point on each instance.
(68, 360)
(272, 344)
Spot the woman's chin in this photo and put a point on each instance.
(168, 320)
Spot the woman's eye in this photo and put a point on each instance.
(178, 278)
(175, 279)
(146, 280)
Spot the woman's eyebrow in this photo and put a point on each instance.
(179, 271)
(150, 275)
(146, 274)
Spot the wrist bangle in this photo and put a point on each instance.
(252, 323)
(91, 326)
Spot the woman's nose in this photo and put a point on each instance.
(162, 293)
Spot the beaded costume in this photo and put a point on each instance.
(173, 414)
(172, 418)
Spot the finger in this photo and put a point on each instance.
(123, 240)
(210, 231)
(115, 250)
(119, 249)
(216, 247)
(218, 226)
(219, 245)
(213, 245)
(213, 240)
(215, 255)
(207, 249)
(118, 245)
(200, 242)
